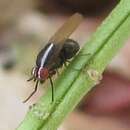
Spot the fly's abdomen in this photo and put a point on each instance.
(70, 48)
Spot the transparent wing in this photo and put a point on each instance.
(67, 29)
(62, 34)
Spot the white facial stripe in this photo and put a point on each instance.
(39, 72)
(46, 54)
(33, 71)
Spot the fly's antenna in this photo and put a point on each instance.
(36, 86)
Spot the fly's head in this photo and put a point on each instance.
(39, 73)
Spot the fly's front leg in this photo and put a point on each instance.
(36, 86)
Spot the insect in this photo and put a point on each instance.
(57, 52)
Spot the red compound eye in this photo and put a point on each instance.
(43, 73)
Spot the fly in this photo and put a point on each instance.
(57, 52)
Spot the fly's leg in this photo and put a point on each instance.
(32, 92)
(65, 64)
(30, 78)
(81, 54)
(57, 72)
(52, 87)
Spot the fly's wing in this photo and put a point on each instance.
(63, 33)
(66, 29)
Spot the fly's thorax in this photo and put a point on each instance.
(44, 54)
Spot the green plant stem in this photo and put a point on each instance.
(73, 85)
(84, 83)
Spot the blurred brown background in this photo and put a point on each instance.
(25, 26)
